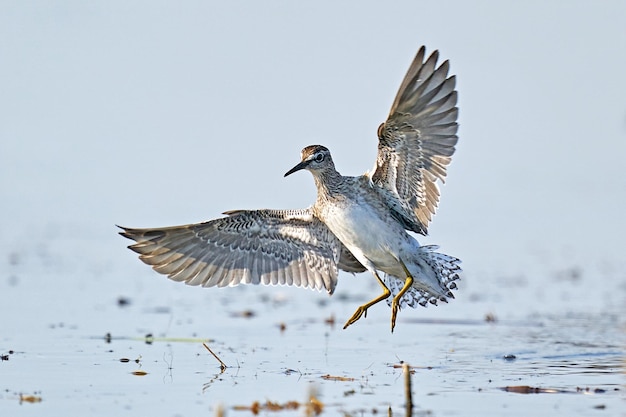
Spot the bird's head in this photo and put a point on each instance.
(315, 158)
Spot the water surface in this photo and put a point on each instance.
(68, 324)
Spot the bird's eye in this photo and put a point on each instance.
(319, 157)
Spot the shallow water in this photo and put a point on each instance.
(556, 343)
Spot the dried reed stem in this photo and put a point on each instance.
(406, 369)
(222, 364)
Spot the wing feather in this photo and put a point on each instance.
(272, 247)
(417, 141)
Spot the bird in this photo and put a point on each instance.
(357, 223)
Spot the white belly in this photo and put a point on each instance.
(374, 242)
(379, 242)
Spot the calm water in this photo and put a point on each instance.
(565, 332)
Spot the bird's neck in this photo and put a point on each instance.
(328, 183)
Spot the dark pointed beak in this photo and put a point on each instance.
(298, 167)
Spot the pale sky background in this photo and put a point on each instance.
(162, 113)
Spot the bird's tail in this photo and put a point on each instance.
(446, 270)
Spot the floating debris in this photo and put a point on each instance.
(127, 360)
(337, 378)
(123, 301)
(412, 368)
(246, 314)
(150, 339)
(588, 390)
(257, 407)
(509, 357)
(30, 399)
(312, 407)
(139, 373)
(526, 389)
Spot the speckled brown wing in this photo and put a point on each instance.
(272, 247)
(417, 142)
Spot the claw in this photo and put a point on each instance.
(362, 310)
(394, 312)
(396, 300)
(357, 315)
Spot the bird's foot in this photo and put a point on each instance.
(361, 311)
(394, 313)
(395, 303)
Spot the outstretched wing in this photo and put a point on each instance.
(417, 141)
(272, 247)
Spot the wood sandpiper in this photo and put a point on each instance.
(356, 224)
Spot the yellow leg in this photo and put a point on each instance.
(396, 300)
(362, 310)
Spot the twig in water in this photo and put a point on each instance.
(222, 364)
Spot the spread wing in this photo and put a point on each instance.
(272, 247)
(417, 141)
